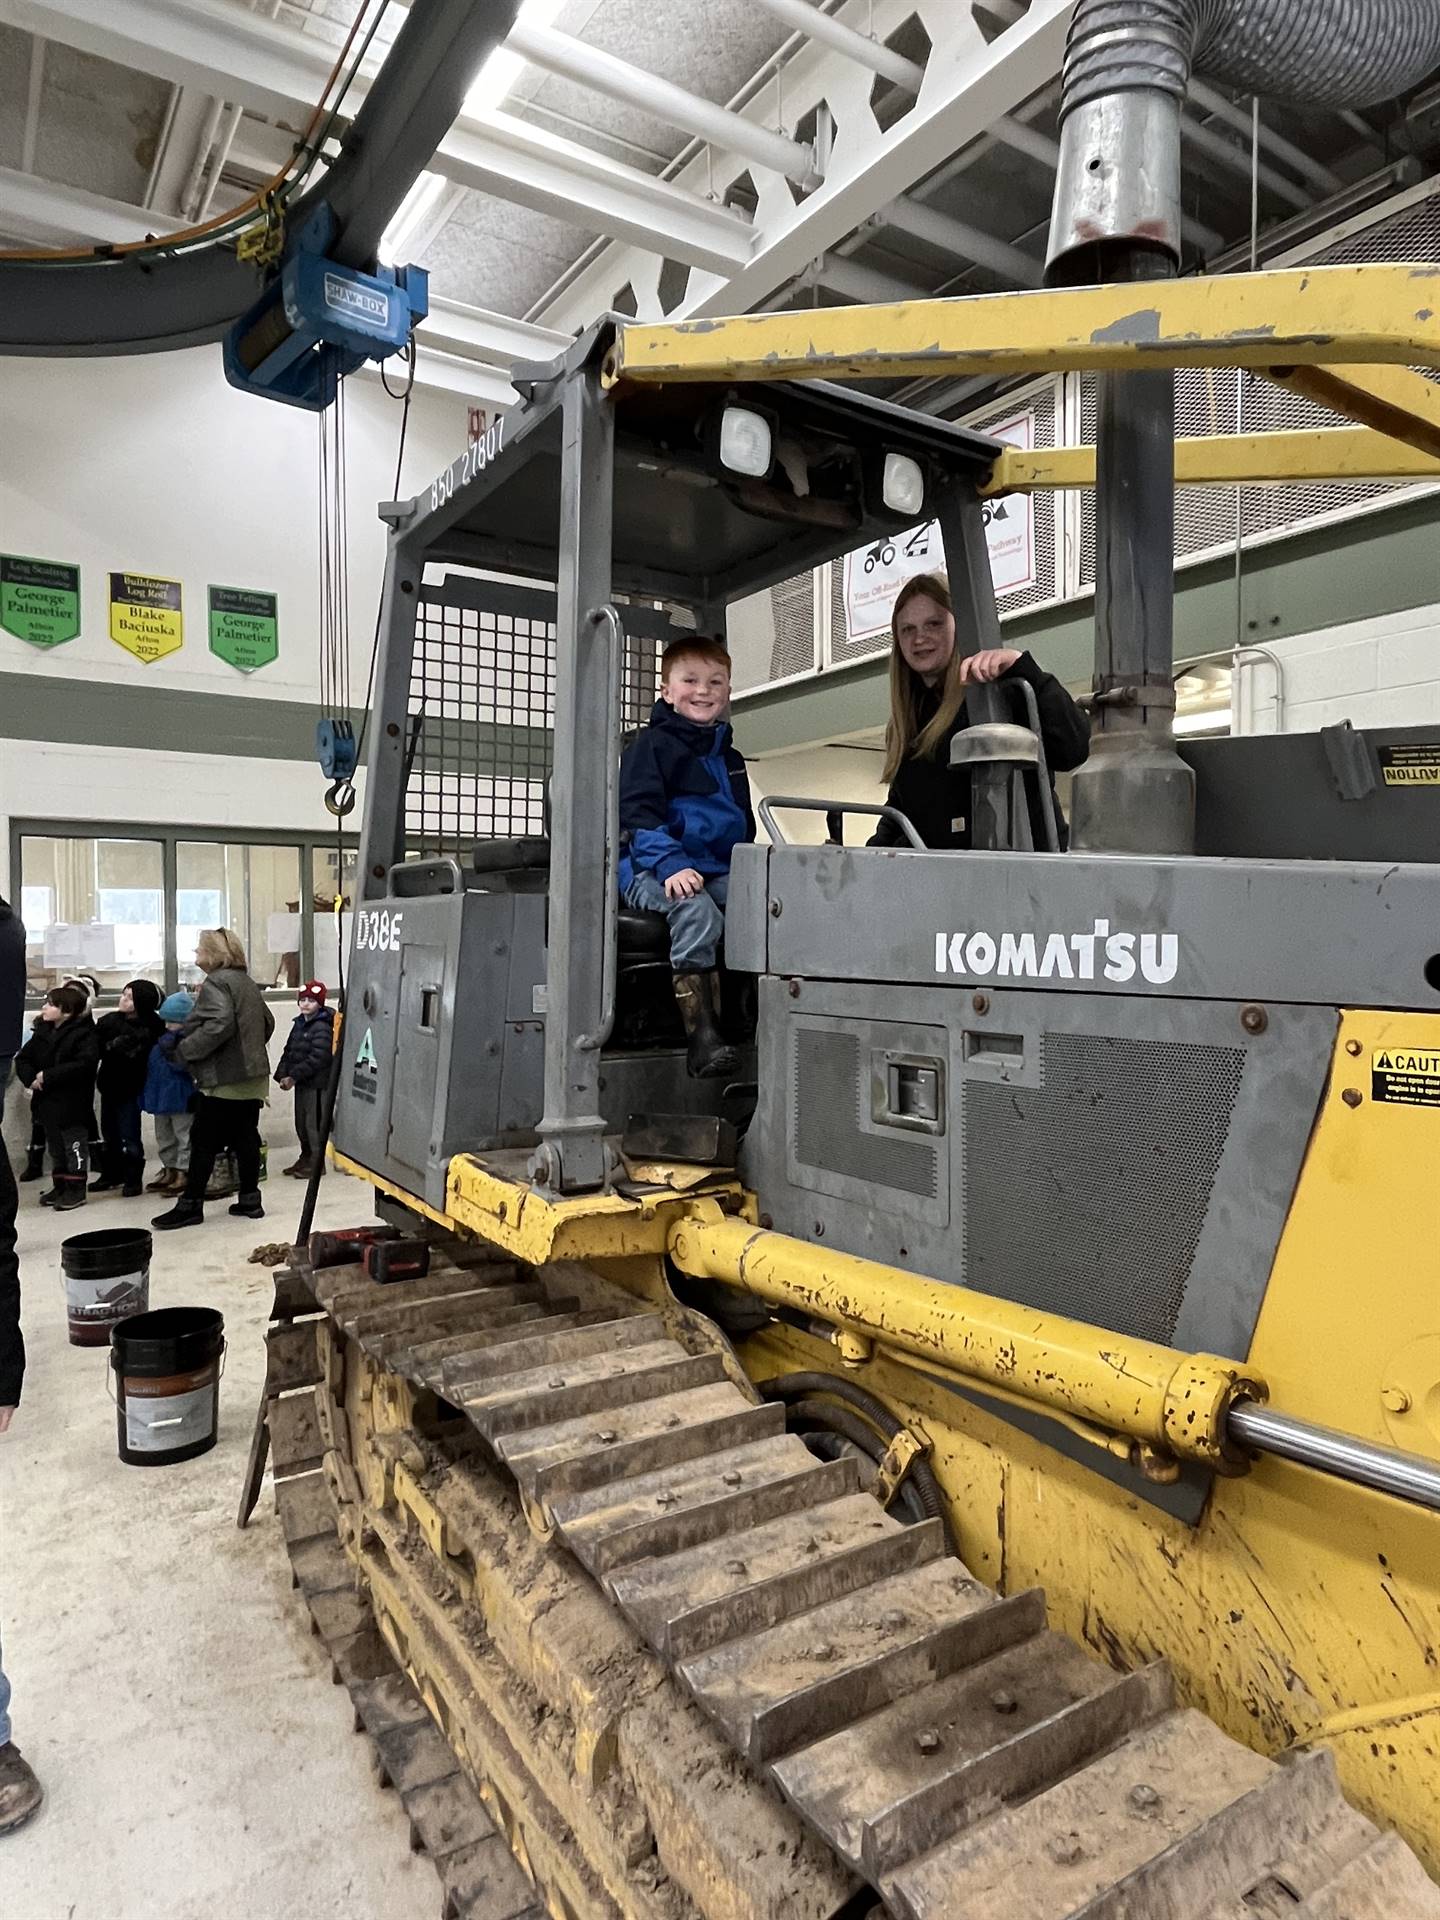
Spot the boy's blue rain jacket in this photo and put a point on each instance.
(684, 799)
(168, 1086)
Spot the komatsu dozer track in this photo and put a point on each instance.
(565, 1559)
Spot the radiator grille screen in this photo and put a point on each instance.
(829, 1087)
(481, 719)
(1086, 1196)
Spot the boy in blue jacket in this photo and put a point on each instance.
(168, 1094)
(684, 808)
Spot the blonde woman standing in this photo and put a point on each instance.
(928, 682)
(224, 1045)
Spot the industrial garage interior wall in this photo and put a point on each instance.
(832, 773)
(1382, 672)
(151, 464)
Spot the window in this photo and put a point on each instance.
(332, 872)
(92, 905)
(131, 902)
(253, 890)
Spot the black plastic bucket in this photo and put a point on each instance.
(167, 1368)
(107, 1280)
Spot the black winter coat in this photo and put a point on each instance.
(12, 1016)
(69, 1057)
(12, 982)
(125, 1043)
(933, 795)
(306, 1059)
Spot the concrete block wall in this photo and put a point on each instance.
(1382, 672)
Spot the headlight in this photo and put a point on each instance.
(745, 442)
(904, 485)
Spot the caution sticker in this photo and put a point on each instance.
(1406, 1076)
(1413, 764)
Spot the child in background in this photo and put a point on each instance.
(168, 1093)
(684, 808)
(126, 1037)
(305, 1066)
(59, 1066)
(35, 1158)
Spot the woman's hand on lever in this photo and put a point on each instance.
(977, 669)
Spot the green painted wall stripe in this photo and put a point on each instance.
(1356, 570)
(58, 711)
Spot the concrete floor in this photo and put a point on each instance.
(198, 1764)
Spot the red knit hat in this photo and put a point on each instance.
(313, 990)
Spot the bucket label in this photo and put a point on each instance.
(111, 1299)
(163, 1422)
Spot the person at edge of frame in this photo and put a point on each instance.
(20, 1791)
(928, 681)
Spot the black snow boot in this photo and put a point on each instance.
(70, 1192)
(34, 1165)
(184, 1213)
(708, 1057)
(248, 1205)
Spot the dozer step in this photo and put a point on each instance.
(631, 1440)
(346, 1290)
(428, 1358)
(545, 1395)
(738, 1578)
(659, 1513)
(900, 1781)
(796, 1682)
(1176, 1815)
(380, 1329)
(1383, 1882)
(553, 1347)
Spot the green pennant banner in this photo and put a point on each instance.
(244, 627)
(39, 600)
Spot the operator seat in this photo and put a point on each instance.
(523, 866)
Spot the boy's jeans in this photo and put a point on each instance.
(696, 924)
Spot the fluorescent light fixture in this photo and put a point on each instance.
(903, 487)
(415, 210)
(503, 68)
(745, 442)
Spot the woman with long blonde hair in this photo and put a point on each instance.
(929, 677)
(224, 1044)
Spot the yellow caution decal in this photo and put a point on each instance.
(1406, 1076)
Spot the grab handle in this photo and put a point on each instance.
(767, 817)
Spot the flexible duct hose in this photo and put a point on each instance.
(1335, 53)
(1127, 71)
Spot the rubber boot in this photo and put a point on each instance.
(248, 1205)
(20, 1792)
(708, 1057)
(132, 1169)
(184, 1213)
(51, 1193)
(69, 1192)
(34, 1165)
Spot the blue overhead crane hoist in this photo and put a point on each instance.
(318, 321)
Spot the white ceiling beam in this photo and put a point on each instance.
(801, 17)
(969, 85)
(215, 45)
(457, 329)
(525, 164)
(239, 56)
(602, 72)
(959, 238)
(38, 213)
(482, 386)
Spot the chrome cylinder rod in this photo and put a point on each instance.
(1409, 1476)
